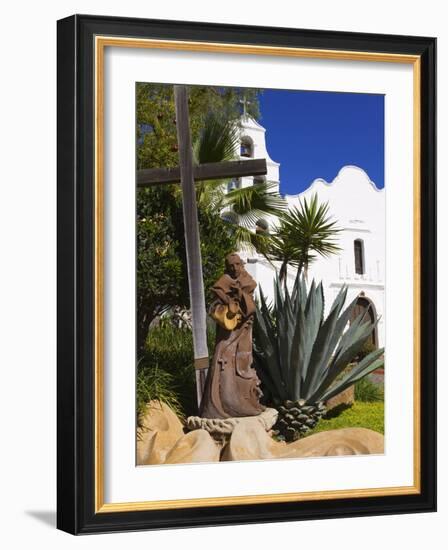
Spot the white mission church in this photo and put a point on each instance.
(359, 208)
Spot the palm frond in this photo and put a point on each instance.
(246, 239)
(217, 142)
(253, 202)
(242, 207)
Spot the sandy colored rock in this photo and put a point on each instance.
(345, 441)
(249, 441)
(161, 440)
(159, 432)
(196, 446)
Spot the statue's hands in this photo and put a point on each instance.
(234, 307)
(237, 293)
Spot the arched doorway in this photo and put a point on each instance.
(365, 306)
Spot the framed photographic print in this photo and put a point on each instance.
(246, 274)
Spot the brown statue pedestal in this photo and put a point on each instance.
(222, 428)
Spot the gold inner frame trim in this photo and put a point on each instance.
(101, 42)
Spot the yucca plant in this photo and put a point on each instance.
(305, 232)
(302, 358)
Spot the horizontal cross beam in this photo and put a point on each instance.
(201, 172)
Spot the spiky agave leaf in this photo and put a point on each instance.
(343, 357)
(311, 317)
(285, 327)
(371, 362)
(301, 353)
(323, 345)
(266, 352)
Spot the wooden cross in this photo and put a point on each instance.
(186, 173)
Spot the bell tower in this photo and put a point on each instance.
(252, 144)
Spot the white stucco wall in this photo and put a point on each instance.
(358, 206)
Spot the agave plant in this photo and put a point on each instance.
(302, 358)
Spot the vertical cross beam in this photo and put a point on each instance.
(192, 241)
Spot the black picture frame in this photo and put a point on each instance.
(76, 511)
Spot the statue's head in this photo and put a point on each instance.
(234, 265)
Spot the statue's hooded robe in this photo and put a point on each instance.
(232, 386)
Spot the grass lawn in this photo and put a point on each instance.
(359, 415)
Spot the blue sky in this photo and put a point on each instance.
(314, 134)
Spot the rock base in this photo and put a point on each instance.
(161, 439)
(222, 428)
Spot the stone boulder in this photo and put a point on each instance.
(194, 447)
(161, 440)
(249, 441)
(345, 441)
(346, 397)
(159, 432)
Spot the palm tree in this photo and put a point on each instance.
(242, 207)
(304, 233)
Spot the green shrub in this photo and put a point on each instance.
(155, 384)
(367, 391)
(166, 369)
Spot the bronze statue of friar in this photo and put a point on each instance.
(232, 387)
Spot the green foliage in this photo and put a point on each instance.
(304, 233)
(359, 415)
(161, 263)
(240, 208)
(156, 127)
(159, 266)
(162, 279)
(166, 370)
(217, 141)
(246, 205)
(217, 241)
(155, 384)
(367, 391)
(301, 355)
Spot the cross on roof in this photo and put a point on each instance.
(245, 102)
